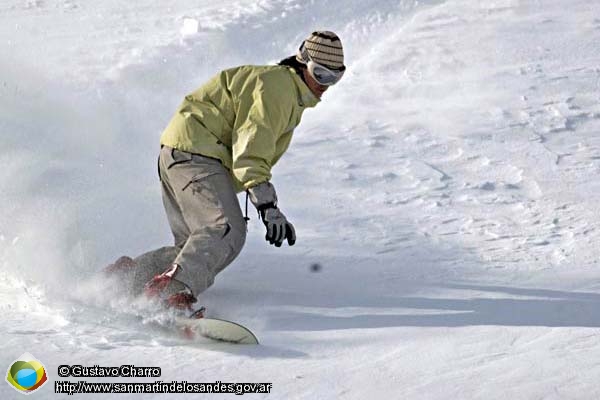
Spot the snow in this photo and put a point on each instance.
(447, 187)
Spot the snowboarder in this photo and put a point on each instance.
(224, 139)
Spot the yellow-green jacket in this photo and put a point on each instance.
(243, 116)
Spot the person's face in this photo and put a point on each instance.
(313, 85)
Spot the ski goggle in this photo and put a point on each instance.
(323, 75)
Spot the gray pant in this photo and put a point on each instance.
(205, 218)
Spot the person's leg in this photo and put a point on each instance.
(168, 159)
(156, 261)
(202, 189)
(150, 264)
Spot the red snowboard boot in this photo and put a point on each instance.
(174, 293)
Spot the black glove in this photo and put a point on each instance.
(264, 198)
(278, 227)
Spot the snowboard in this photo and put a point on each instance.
(211, 328)
(193, 329)
(215, 329)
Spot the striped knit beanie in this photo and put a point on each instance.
(325, 48)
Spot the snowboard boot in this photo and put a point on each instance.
(173, 293)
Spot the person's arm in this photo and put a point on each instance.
(262, 116)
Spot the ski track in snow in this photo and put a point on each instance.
(448, 190)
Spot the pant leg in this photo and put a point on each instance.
(204, 201)
(156, 261)
(179, 227)
(150, 264)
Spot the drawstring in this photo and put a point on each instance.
(246, 218)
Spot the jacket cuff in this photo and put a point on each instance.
(262, 195)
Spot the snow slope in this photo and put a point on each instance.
(447, 186)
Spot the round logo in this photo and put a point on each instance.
(26, 374)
